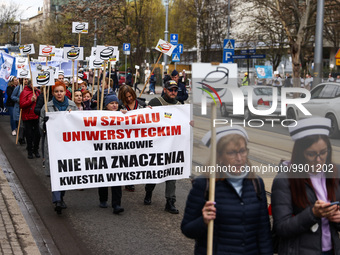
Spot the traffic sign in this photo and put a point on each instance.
(178, 49)
(174, 39)
(227, 56)
(337, 61)
(249, 56)
(176, 57)
(228, 50)
(252, 51)
(240, 56)
(228, 44)
(126, 46)
(258, 56)
(337, 55)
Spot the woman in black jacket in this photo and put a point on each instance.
(304, 219)
(241, 221)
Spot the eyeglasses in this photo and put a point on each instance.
(233, 154)
(173, 90)
(312, 155)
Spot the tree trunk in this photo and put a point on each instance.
(199, 6)
(295, 52)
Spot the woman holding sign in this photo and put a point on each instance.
(59, 102)
(241, 221)
(130, 102)
(305, 196)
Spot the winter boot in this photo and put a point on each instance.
(170, 206)
(147, 199)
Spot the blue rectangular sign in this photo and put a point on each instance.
(176, 57)
(228, 44)
(126, 46)
(178, 49)
(174, 39)
(227, 56)
(252, 51)
(258, 56)
(240, 56)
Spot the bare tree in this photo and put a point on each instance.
(290, 22)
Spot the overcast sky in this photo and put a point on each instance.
(29, 7)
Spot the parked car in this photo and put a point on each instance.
(121, 78)
(324, 102)
(262, 100)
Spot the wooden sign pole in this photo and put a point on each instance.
(150, 74)
(212, 178)
(72, 79)
(103, 86)
(16, 140)
(98, 77)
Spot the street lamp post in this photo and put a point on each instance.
(166, 32)
(318, 43)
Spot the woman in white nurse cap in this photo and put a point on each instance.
(240, 206)
(304, 218)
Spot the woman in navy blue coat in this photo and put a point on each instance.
(241, 221)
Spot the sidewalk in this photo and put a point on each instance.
(15, 236)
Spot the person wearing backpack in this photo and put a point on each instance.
(239, 211)
(304, 219)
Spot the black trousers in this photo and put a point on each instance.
(116, 193)
(32, 135)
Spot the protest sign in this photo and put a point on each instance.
(7, 68)
(106, 53)
(108, 148)
(43, 78)
(58, 56)
(80, 27)
(27, 49)
(46, 50)
(165, 47)
(73, 53)
(22, 67)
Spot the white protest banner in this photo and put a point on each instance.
(46, 50)
(42, 77)
(80, 27)
(26, 49)
(165, 47)
(108, 148)
(73, 53)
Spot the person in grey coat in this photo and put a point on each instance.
(305, 221)
(59, 102)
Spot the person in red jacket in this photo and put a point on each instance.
(30, 119)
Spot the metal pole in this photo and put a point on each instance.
(228, 19)
(20, 31)
(125, 66)
(166, 32)
(318, 43)
(95, 33)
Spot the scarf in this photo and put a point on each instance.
(61, 106)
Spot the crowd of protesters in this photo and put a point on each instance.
(27, 103)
